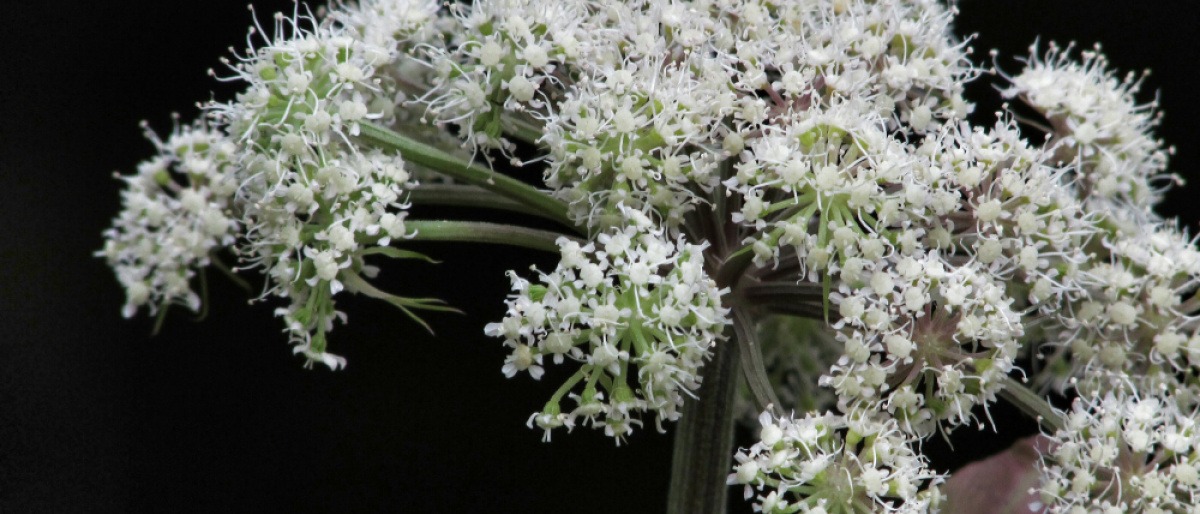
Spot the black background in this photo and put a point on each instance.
(96, 416)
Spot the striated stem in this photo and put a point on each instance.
(735, 265)
(765, 293)
(469, 172)
(454, 195)
(753, 368)
(488, 233)
(704, 439)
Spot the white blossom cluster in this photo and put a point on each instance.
(1135, 318)
(640, 100)
(806, 163)
(1101, 126)
(277, 171)
(825, 463)
(175, 211)
(937, 345)
(932, 233)
(1124, 453)
(314, 201)
(1129, 311)
(1126, 340)
(496, 56)
(635, 310)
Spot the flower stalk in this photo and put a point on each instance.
(469, 172)
(1030, 403)
(487, 233)
(474, 197)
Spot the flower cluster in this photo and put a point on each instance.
(1127, 304)
(314, 202)
(929, 237)
(718, 167)
(1121, 452)
(487, 78)
(637, 312)
(937, 340)
(833, 463)
(1101, 127)
(1135, 318)
(278, 172)
(175, 211)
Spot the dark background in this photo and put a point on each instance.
(96, 416)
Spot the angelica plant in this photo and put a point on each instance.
(774, 210)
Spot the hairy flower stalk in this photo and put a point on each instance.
(784, 197)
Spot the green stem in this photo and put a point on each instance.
(1023, 398)
(469, 172)
(453, 195)
(734, 266)
(784, 297)
(570, 384)
(488, 233)
(229, 272)
(753, 368)
(704, 439)
(521, 129)
(781, 291)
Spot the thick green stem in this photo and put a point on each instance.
(453, 195)
(704, 439)
(1032, 404)
(435, 159)
(481, 232)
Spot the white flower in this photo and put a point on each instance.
(1097, 118)
(176, 213)
(833, 459)
(896, 262)
(1125, 452)
(311, 200)
(613, 324)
